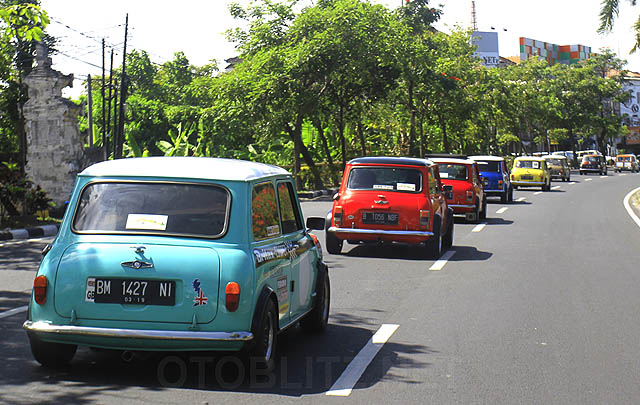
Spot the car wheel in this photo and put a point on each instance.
(434, 244)
(316, 321)
(510, 197)
(332, 242)
(51, 355)
(262, 354)
(483, 214)
(504, 197)
(581, 173)
(447, 240)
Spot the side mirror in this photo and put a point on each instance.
(336, 196)
(316, 223)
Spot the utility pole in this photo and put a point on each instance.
(123, 95)
(474, 21)
(108, 125)
(104, 121)
(90, 96)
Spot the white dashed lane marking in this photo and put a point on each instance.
(573, 182)
(588, 179)
(444, 259)
(13, 311)
(502, 210)
(555, 187)
(350, 376)
(537, 193)
(521, 199)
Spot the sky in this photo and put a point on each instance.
(196, 27)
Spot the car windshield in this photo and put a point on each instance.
(453, 171)
(489, 166)
(528, 164)
(555, 162)
(385, 178)
(158, 208)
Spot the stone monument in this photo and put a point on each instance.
(55, 146)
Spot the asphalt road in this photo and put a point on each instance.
(540, 305)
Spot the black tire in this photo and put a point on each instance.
(263, 350)
(447, 240)
(510, 197)
(504, 197)
(581, 173)
(476, 213)
(316, 321)
(332, 243)
(51, 355)
(547, 186)
(434, 243)
(483, 214)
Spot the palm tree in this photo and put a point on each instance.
(608, 14)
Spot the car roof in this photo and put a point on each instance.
(625, 154)
(453, 160)
(537, 158)
(554, 157)
(487, 158)
(184, 167)
(390, 160)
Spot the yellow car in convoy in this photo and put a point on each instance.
(530, 171)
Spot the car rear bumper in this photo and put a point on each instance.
(462, 208)
(59, 332)
(374, 232)
(528, 183)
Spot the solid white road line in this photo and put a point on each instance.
(627, 206)
(555, 187)
(350, 376)
(444, 259)
(502, 210)
(521, 199)
(589, 179)
(13, 311)
(537, 193)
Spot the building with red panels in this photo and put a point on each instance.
(552, 53)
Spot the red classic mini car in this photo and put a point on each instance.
(468, 197)
(390, 199)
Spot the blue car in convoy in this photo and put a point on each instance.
(497, 183)
(178, 254)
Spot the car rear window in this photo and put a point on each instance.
(489, 166)
(453, 171)
(528, 164)
(555, 162)
(152, 208)
(591, 159)
(385, 178)
(624, 158)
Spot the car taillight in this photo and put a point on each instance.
(469, 195)
(500, 183)
(232, 296)
(513, 177)
(40, 289)
(425, 216)
(317, 243)
(337, 216)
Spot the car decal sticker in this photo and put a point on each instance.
(200, 298)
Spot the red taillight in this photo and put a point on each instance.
(232, 296)
(40, 289)
(512, 177)
(469, 195)
(425, 217)
(500, 183)
(337, 215)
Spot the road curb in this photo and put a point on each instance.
(27, 233)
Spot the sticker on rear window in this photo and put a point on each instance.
(147, 221)
(273, 230)
(405, 187)
(382, 187)
(444, 175)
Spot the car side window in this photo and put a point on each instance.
(289, 214)
(433, 183)
(264, 212)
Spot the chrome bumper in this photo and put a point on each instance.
(47, 328)
(462, 206)
(525, 183)
(380, 232)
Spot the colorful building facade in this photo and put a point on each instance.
(553, 53)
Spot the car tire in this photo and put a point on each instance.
(332, 242)
(51, 355)
(316, 321)
(434, 243)
(262, 353)
(447, 240)
(504, 197)
(483, 214)
(510, 197)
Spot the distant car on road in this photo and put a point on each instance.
(558, 167)
(180, 254)
(626, 162)
(494, 170)
(529, 171)
(390, 199)
(467, 197)
(593, 164)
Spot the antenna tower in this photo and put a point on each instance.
(474, 22)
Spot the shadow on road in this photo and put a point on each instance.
(306, 364)
(469, 254)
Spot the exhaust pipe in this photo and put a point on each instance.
(127, 356)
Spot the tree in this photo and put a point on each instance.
(609, 13)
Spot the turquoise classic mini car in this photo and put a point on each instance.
(178, 254)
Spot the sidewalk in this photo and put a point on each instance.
(27, 233)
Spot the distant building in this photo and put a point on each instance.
(552, 53)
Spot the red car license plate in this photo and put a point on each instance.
(380, 218)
